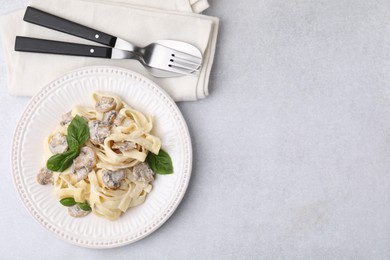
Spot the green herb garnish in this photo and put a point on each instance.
(68, 202)
(77, 135)
(61, 161)
(85, 206)
(78, 132)
(160, 163)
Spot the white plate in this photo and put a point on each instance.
(41, 116)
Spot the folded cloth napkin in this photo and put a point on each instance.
(195, 6)
(140, 22)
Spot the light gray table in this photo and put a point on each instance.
(291, 149)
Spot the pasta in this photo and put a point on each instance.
(109, 174)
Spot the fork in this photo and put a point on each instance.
(164, 58)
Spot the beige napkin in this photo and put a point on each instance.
(141, 24)
(194, 6)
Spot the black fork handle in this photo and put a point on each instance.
(28, 44)
(47, 20)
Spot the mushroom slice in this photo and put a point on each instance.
(142, 172)
(124, 146)
(81, 173)
(113, 179)
(109, 117)
(119, 119)
(58, 143)
(66, 118)
(45, 176)
(98, 131)
(105, 104)
(84, 163)
(77, 212)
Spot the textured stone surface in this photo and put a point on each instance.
(291, 149)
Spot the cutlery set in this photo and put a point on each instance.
(163, 58)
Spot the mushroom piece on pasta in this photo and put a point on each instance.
(77, 212)
(58, 143)
(45, 176)
(109, 117)
(66, 118)
(84, 163)
(124, 146)
(142, 172)
(119, 119)
(113, 179)
(105, 104)
(98, 131)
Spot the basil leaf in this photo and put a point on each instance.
(160, 163)
(85, 206)
(62, 161)
(73, 144)
(68, 202)
(78, 132)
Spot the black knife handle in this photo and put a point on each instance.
(44, 19)
(28, 44)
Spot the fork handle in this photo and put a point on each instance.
(28, 44)
(47, 20)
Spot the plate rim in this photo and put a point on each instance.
(16, 142)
